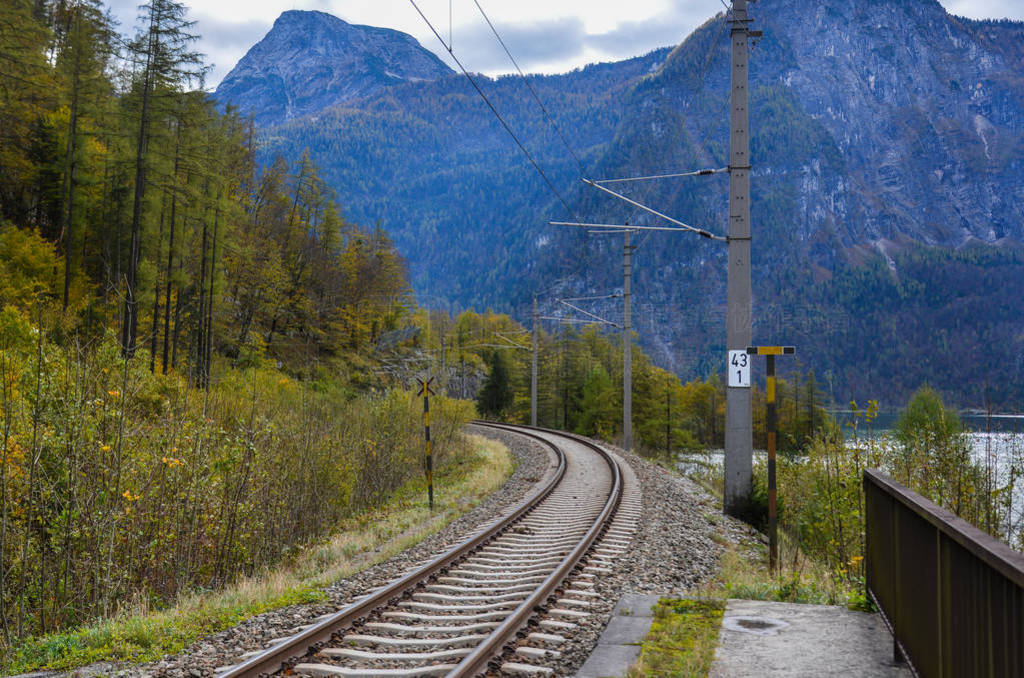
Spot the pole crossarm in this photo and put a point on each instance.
(580, 321)
(616, 295)
(586, 313)
(622, 228)
(695, 173)
(686, 227)
(512, 341)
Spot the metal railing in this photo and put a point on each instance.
(952, 596)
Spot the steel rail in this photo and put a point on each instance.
(286, 654)
(479, 660)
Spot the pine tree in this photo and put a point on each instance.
(25, 92)
(83, 39)
(163, 65)
(496, 395)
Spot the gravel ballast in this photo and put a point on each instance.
(676, 546)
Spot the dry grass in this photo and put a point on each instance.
(684, 636)
(743, 573)
(140, 634)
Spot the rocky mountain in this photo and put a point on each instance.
(888, 153)
(879, 128)
(311, 60)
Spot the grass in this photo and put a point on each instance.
(139, 634)
(682, 639)
(743, 573)
(684, 635)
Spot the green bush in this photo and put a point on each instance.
(120, 487)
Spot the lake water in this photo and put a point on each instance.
(998, 439)
(980, 423)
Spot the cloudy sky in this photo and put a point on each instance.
(548, 36)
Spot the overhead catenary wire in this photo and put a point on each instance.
(699, 231)
(608, 229)
(490, 105)
(580, 310)
(614, 295)
(578, 321)
(719, 116)
(533, 91)
(685, 114)
(695, 173)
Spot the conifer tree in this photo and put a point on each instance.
(83, 40)
(164, 65)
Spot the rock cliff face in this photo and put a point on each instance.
(915, 121)
(311, 60)
(926, 111)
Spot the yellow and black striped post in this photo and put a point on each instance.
(426, 392)
(770, 424)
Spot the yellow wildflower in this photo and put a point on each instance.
(104, 448)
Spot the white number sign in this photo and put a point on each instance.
(739, 369)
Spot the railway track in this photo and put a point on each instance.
(499, 603)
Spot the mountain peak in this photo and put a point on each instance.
(307, 17)
(312, 60)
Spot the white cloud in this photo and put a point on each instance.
(544, 36)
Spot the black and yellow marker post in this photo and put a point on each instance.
(426, 392)
(770, 425)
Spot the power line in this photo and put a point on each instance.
(695, 173)
(699, 231)
(530, 86)
(693, 97)
(615, 295)
(495, 112)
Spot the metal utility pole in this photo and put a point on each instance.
(738, 425)
(627, 355)
(668, 423)
(533, 369)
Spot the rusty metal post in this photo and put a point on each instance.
(773, 511)
(771, 419)
(533, 367)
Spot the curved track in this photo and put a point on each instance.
(496, 603)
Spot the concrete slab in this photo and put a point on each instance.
(609, 661)
(636, 605)
(772, 640)
(619, 646)
(625, 630)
